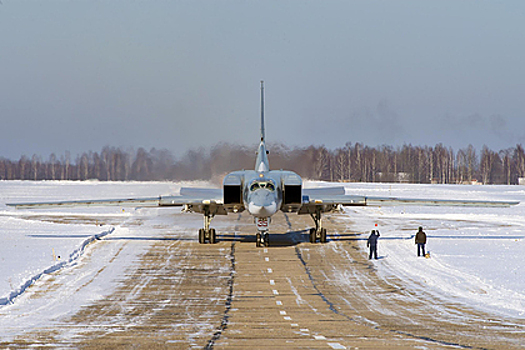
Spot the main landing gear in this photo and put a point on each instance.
(319, 232)
(207, 233)
(262, 239)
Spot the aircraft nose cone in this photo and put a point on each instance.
(262, 203)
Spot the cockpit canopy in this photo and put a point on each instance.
(262, 184)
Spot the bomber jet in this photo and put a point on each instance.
(262, 193)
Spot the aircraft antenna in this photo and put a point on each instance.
(262, 110)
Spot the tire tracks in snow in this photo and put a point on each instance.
(72, 260)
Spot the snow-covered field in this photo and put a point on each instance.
(476, 253)
(37, 242)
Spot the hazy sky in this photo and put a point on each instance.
(79, 75)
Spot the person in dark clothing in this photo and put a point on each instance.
(372, 243)
(421, 240)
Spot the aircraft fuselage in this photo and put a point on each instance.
(262, 194)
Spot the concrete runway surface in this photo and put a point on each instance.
(291, 295)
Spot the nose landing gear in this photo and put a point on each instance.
(262, 239)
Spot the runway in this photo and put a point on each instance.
(231, 295)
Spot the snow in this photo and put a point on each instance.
(33, 241)
(39, 240)
(476, 253)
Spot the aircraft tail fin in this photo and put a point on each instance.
(261, 163)
(262, 111)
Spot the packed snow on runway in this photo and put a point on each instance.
(476, 253)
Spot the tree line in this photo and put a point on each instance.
(353, 162)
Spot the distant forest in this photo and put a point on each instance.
(353, 162)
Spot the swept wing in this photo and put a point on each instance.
(189, 197)
(325, 202)
(379, 201)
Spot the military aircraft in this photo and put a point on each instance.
(263, 192)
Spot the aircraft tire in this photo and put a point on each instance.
(312, 235)
(267, 240)
(323, 236)
(202, 237)
(213, 237)
(258, 240)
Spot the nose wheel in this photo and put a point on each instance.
(262, 239)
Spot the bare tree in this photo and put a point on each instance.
(321, 163)
(519, 160)
(341, 163)
(487, 164)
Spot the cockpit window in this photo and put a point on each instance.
(262, 185)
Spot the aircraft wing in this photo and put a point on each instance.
(161, 201)
(326, 203)
(152, 201)
(202, 193)
(379, 201)
(324, 191)
(192, 198)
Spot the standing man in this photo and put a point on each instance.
(421, 240)
(372, 243)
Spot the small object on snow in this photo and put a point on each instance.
(427, 255)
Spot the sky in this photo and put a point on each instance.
(79, 75)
